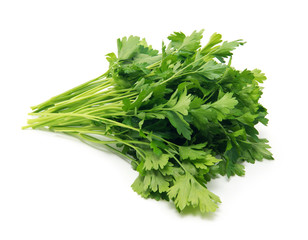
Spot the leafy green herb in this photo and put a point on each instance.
(182, 116)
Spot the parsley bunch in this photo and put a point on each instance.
(182, 117)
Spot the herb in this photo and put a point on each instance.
(182, 116)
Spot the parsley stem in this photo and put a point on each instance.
(106, 145)
(95, 118)
(69, 92)
(86, 131)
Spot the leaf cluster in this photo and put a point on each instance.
(182, 116)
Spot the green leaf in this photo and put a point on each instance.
(144, 58)
(218, 110)
(192, 42)
(151, 181)
(226, 48)
(153, 161)
(156, 182)
(235, 169)
(247, 118)
(171, 170)
(158, 146)
(260, 150)
(214, 40)
(127, 47)
(139, 187)
(180, 105)
(207, 161)
(212, 70)
(192, 152)
(177, 39)
(188, 44)
(186, 191)
(259, 76)
(111, 58)
(224, 105)
(210, 160)
(181, 126)
(200, 157)
(196, 103)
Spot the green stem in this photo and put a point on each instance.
(106, 145)
(60, 96)
(96, 118)
(118, 140)
(86, 131)
(74, 100)
(95, 102)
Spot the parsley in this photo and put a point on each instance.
(182, 116)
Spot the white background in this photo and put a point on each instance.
(54, 187)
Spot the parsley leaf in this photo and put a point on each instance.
(186, 191)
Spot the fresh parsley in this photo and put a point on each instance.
(182, 116)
